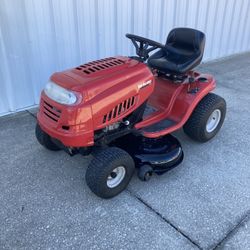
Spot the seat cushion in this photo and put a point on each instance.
(172, 63)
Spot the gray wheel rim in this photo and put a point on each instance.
(118, 176)
(213, 120)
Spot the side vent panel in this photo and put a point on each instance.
(119, 109)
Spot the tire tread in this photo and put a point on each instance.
(97, 170)
(194, 127)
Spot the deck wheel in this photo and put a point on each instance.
(145, 172)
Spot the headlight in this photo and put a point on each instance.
(60, 94)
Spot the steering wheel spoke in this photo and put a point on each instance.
(135, 44)
(145, 46)
(152, 48)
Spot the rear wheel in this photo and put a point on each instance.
(45, 140)
(109, 172)
(206, 119)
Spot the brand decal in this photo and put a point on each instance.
(144, 84)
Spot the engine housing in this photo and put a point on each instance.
(112, 88)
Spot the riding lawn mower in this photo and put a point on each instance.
(123, 110)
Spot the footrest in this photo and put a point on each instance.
(157, 127)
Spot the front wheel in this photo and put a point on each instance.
(206, 119)
(109, 172)
(45, 140)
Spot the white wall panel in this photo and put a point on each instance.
(38, 37)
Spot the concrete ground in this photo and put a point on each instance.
(204, 203)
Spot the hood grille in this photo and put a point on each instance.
(98, 65)
(51, 112)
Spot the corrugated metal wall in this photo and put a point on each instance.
(38, 37)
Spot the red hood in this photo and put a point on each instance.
(95, 77)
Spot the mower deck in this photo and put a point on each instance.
(162, 154)
(172, 103)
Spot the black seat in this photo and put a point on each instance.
(183, 51)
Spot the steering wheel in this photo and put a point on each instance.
(144, 46)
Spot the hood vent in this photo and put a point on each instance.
(119, 109)
(99, 65)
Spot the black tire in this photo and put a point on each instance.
(45, 140)
(196, 126)
(145, 172)
(101, 168)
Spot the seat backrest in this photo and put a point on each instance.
(187, 39)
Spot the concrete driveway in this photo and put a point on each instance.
(204, 203)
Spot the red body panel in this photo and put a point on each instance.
(110, 85)
(77, 119)
(175, 101)
(112, 88)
